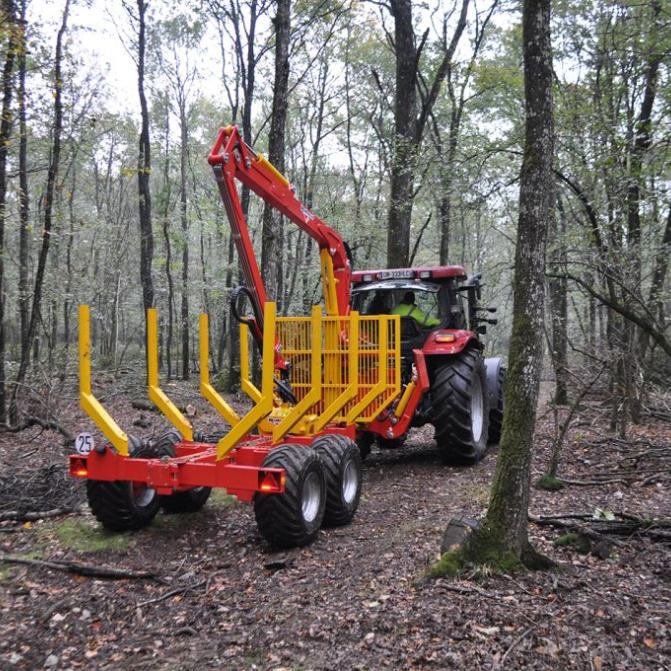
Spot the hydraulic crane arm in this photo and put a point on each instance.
(231, 158)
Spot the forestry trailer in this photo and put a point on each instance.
(394, 349)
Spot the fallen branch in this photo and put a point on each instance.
(172, 592)
(599, 529)
(78, 568)
(573, 526)
(31, 516)
(49, 424)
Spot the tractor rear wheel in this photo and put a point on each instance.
(190, 500)
(459, 409)
(496, 375)
(342, 467)
(122, 505)
(294, 517)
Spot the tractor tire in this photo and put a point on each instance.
(496, 375)
(365, 442)
(459, 410)
(391, 443)
(341, 460)
(293, 519)
(122, 505)
(190, 500)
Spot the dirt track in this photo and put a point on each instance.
(350, 601)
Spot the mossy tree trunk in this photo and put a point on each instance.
(503, 538)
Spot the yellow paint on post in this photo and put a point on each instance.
(87, 401)
(352, 388)
(328, 282)
(264, 405)
(245, 379)
(156, 394)
(314, 395)
(206, 389)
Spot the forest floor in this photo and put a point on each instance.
(356, 598)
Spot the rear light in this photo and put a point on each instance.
(78, 468)
(444, 337)
(271, 482)
(424, 274)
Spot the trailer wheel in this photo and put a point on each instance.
(459, 408)
(122, 505)
(342, 466)
(293, 518)
(189, 501)
(496, 375)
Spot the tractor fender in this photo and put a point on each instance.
(449, 341)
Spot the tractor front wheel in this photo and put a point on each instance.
(122, 505)
(293, 518)
(459, 408)
(342, 467)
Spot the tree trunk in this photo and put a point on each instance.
(409, 124)
(24, 202)
(271, 242)
(52, 175)
(559, 311)
(144, 171)
(185, 239)
(168, 247)
(9, 19)
(405, 145)
(503, 537)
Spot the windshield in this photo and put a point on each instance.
(389, 299)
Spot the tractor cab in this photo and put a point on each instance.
(426, 299)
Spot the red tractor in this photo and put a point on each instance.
(447, 381)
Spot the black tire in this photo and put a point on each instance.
(189, 501)
(341, 460)
(391, 443)
(459, 408)
(496, 375)
(289, 519)
(365, 442)
(122, 505)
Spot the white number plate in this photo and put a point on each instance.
(84, 443)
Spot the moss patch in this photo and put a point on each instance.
(549, 483)
(85, 536)
(580, 543)
(7, 573)
(220, 498)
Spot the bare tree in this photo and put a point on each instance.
(410, 118)
(9, 19)
(52, 175)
